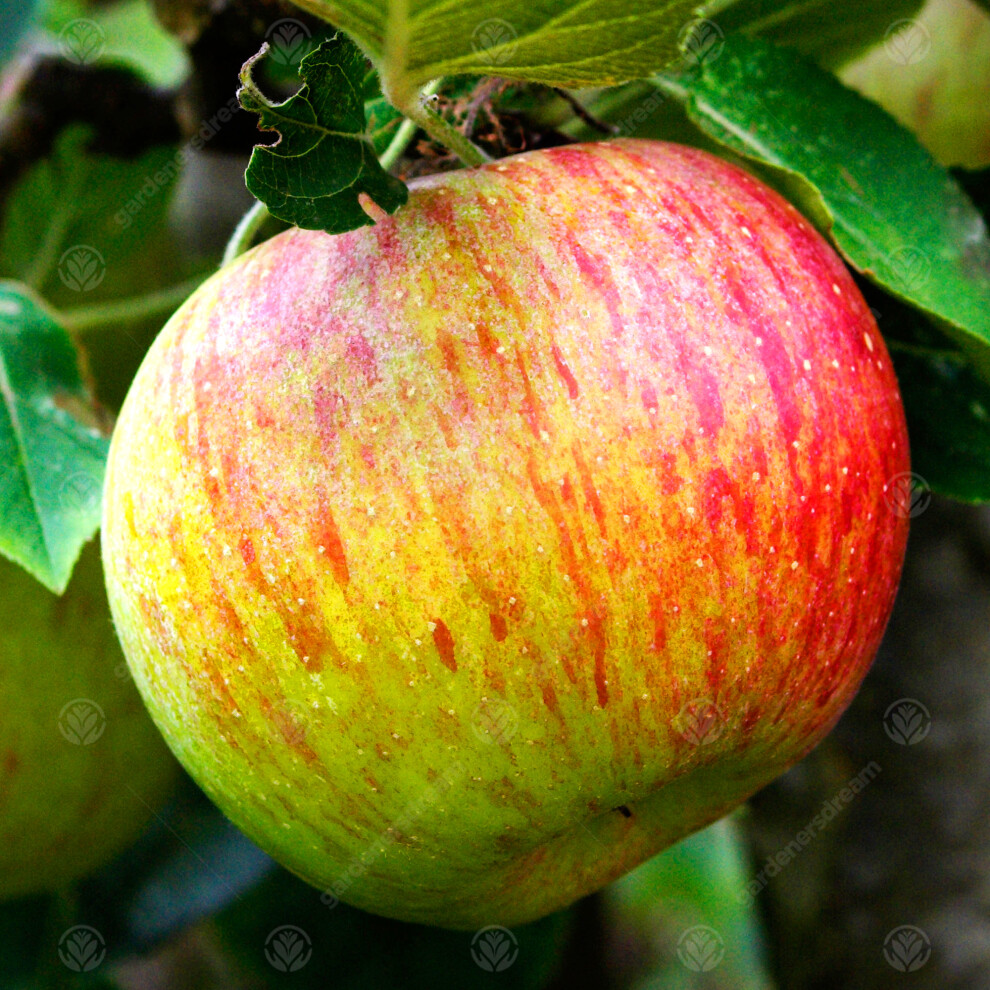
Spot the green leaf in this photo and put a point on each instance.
(948, 414)
(383, 122)
(946, 402)
(52, 455)
(687, 911)
(830, 31)
(323, 161)
(565, 43)
(85, 230)
(81, 227)
(895, 214)
(125, 33)
(373, 953)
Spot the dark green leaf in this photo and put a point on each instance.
(52, 455)
(945, 401)
(977, 186)
(85, 229)
(81, 227)
(948, 413)
(323, 161)
(895, 214)
(366, 952)
(22, 939)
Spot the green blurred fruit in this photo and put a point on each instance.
(82, 768)
(932, 73)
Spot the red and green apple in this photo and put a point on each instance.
(469, 559)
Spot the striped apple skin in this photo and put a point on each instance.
(430, 544)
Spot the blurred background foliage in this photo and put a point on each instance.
(111, 134)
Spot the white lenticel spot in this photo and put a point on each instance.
(869, 342)
(836, 289)
(807, 365)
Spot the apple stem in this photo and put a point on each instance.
(244, 232)
(404, 135)
(439, 129)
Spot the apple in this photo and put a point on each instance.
(469, 559)
(82, 767)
